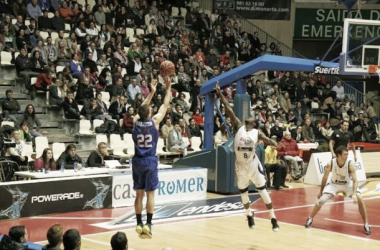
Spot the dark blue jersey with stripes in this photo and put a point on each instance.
(145, 137)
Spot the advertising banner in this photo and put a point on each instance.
(318, 162)
(319, 24)
(175, 185)
(257, 9)
(55, 196)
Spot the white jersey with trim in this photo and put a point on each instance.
(340, 175)
(244, 145)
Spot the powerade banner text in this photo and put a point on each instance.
(257, 9)
(175, 185)
(56, 196)
(328, 23)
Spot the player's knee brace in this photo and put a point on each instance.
(323, 199)
(244, 198)
(265, 196)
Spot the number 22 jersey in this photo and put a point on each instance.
(145, 137)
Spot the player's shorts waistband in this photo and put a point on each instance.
(245, 148)
(144, 157)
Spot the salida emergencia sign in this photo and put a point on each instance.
(317, 24)
(326, 71)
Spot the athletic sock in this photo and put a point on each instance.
(272, 215)
(149, 218)
(249, 212)
(138, 217)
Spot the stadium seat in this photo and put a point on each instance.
(175, 11)
(85, 127)
(41, 143)
(123, 72)
(207, 12)
(67, 27)
(187, 98)
(130, 32)
(140, 32)
(183, 12)
(100, 69)
(106, 98)
(82, 2)
(6, 58)
(80, 107)
(44, 35)
(132, 39)
(58, 148)
(196, 143)
(33, 80)
(9, 123)
(116, 141)
(54, 35)
(96, 123)
(28, 151)
(101, 138)
(59, 69)
(47, 98)
(128, 141)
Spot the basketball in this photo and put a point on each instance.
(167, 68)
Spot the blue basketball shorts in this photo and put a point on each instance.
(145, 173)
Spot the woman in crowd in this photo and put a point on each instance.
(55, 90)
(221, 136)
(30, 118)
(46, 161)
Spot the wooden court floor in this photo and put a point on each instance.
(338, 225)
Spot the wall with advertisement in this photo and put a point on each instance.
(318, 162)
(175, 185)
(257, 9)
(31, 198)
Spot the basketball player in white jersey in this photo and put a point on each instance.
(343, 179)
(247, 165)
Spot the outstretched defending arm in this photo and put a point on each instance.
(162, 111)
(148, 99)
(237, 123)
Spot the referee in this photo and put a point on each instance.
(342, 137)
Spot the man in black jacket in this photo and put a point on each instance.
(20, 236)
(117, 108)
(98, 156)
(10, 106)
(58, 23)
(69, 157)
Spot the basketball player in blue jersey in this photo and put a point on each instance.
(144, 163)
(247, 165)
(343, 179)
